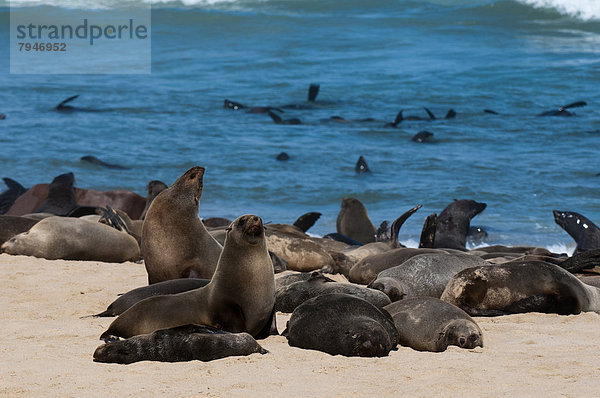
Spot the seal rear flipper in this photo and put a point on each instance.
(13, 185)
(397, 224)
(430, 114)
(313, 91)
(451, 114)
(307, 220)
(62, 104)
(270, 328)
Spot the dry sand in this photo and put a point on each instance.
(47, 351)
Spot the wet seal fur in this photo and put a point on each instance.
(183, 343)
(452, 225)
(518, 287)
(175, 242)
(430, 324)
(342, 324)
(239, 298)
(581, 229)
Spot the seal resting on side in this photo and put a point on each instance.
(430, 324)
(239, 298)
(183, 343)
(175, 242)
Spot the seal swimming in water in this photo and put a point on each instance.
(518, 287)
(278, 120)
(175, 242)
(361, 166)
(8, 197)
(581, 229)
(342, 324)
(239, 298)
(452, 225)
(182, 343)
(562, 111)
(430, 324)
(423, 136)
(94, 160)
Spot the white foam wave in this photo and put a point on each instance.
(582, 9)
(108, 4)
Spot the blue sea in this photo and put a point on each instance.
(371, 59)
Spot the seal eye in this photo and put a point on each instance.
(193, 176)
(242, 222)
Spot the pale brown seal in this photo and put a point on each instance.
(239, 298)
(175, 242)
(353, 221)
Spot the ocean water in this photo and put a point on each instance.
(371, 58)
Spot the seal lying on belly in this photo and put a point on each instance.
(239, 298)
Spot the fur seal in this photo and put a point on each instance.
(73, 239)
(430, 324)
(61, 196)
(175, 242)
(182, 343)
(562, 111)
(239, 298)
(278, 120)
(173, 286)
(2, 116)
(425, 275)
(8, 197)
(94, 160)
(341, 324)
(518, 287)
(361, 166)
(63, 106)
(283, 156)
(353, 221)
(287, 298)
(452, 225)
(581, 229)
(423, 136)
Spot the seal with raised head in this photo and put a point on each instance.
(182, 343)
(73, 239)
(175, 242)
(430, 324)
(452, 225)
(518, 287)
(61, 196)
(239, 298)
(353, 221)
(342, 324)
(584, 231)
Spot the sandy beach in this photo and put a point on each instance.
(47, 351)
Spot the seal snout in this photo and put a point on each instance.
(253, 225)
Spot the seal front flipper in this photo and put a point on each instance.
(397, 224)
(313, 91)
(431, 115)
(428, 233)
(576, 104)
(62, 105)
(270, 328)
(13, 185)
(307, 220)
(276, 118)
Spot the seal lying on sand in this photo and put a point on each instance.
(341, 324)
(175, 242)
(183, 343)
(13, 225)
(430, 324)
(287, 298)
(523, 286)
(74, 239)
(239, 298)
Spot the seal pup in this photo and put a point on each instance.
(353, 221)
(175, 242)
(518, 287)
(361, 166)
(452, 225)
(581, 229)
(173, 286)
(562, 111)
(278, 120)
(182, 343)
(73, 239)
(153, 188)
(341, 324)
(287, 298)
(239, 298)
(8, 197)
(430, 324)
(425, 275)
(94, 160)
